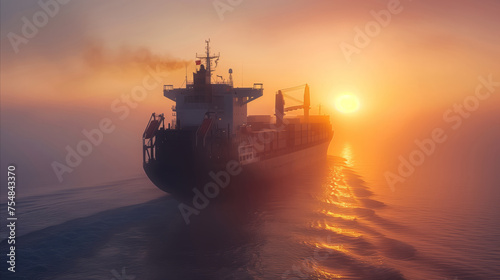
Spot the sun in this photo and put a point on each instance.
(347, 103)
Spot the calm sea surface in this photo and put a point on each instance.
(336, 220)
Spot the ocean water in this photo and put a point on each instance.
(335, 220)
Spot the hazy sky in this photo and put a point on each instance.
(415, 65)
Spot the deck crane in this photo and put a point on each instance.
(305, 104)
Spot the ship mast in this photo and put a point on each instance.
(208, 60)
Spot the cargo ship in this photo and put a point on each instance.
(211, 140)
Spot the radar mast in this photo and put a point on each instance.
(208, 61)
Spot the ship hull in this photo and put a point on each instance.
(180, 180)
(285, 164)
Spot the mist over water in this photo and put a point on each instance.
(74, 92)
(338, 219)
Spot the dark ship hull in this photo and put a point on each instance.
(178, 166)
(181, 169)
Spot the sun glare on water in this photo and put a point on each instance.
(347, 103)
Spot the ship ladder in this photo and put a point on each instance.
(149, 137)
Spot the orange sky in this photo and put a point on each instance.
(427, 58)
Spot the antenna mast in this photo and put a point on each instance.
(208, 60)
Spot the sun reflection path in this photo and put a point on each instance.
(339, 218)
(334, 228)
(338, 199)
(338, 192)
(347, 154)
(337, 215)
